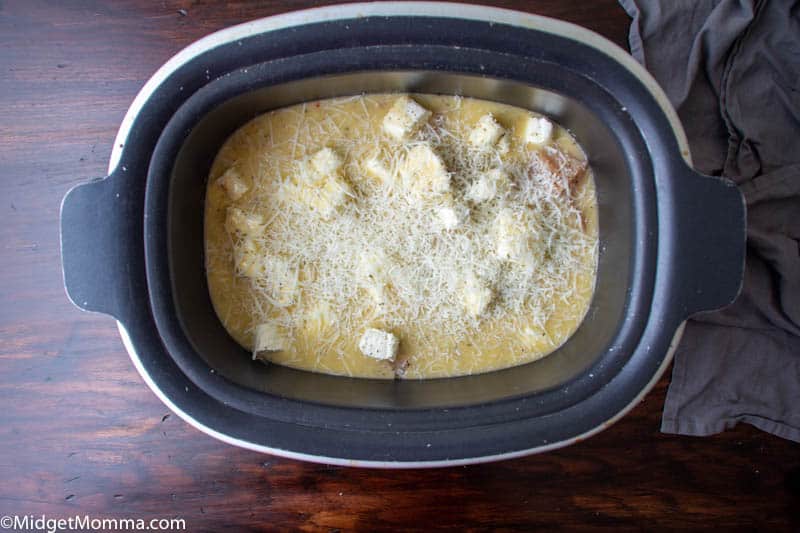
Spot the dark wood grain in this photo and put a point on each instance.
(81, 433)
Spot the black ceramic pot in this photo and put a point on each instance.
(671, 241)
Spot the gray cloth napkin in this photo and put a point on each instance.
(732, 70)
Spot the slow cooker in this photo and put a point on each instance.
(671, 240)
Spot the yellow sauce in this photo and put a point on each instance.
(265, 153)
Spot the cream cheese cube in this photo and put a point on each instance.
(233, 184)
(319, 317)
(334, 193)
(375, 167)
(278, 276)
(404, 118)
(320, 184)
(481, 190)
(488, 185)
(282, 280)
(503, 145)
(507, 234)
(486, 133)
(237, 220)
(475, 296)
(324, 197)
(424, 172)
(536, 130)
(534, 337)
(379, 344)
(323, 165)
(248, 259)
(326, 162)
(514, 242)
(373, 269)
(451, 216)
(269, 338)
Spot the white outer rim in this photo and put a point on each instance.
(430, 9)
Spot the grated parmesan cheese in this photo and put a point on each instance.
(343, 230)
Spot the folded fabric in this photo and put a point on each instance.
(732, 70)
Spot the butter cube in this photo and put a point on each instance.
(404, 118)
(379, 344)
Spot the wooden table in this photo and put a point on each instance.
(81, 433)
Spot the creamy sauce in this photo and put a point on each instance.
(535, 304)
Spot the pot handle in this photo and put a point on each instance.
(710, 241)
(98, 223)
